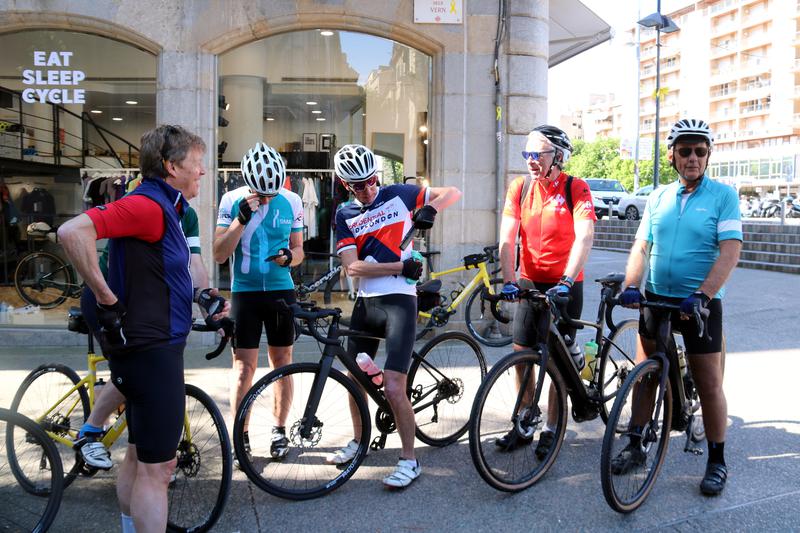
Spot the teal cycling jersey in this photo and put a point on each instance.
(267, 232)
(685, 235)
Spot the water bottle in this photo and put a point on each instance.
(590, 352)
(576, 353)
(369, 367)
(416, 256)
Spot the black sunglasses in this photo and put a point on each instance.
(536, 155)
(699, 151)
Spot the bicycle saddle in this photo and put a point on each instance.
(76, 322)
(430, 286)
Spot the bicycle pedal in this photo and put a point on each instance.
(694, 450)
(378, 443)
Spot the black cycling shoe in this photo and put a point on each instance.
(279, 448)
(247, 450)
(714, 481)
(546, 440)
(511, 441)
(629, 458)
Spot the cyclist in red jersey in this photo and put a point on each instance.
(555, 244)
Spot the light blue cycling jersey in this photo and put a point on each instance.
(267, 232)
(685, 237)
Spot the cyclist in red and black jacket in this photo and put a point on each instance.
(144, 311)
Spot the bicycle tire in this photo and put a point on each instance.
(491, 418)
(616, 438)
(450, 366)
(617, 359)
(311, 476)
(29, 272)
(39, 393)
(202, 483)
(482, 324)
(34, 453)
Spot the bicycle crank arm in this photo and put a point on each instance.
(378, 443)
(690, 447)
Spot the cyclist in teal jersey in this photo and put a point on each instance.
(691, 234)
(260, 228)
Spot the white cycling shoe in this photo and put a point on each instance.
(404, 474)
(96, 455)
(343, 455)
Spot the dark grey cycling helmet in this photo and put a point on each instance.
(690, 127)
(354, 163)
(557, 138)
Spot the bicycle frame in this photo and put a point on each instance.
(481, 278)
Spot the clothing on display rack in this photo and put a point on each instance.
(105, 185)
(310, 204)
(39, 205)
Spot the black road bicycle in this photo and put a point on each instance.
(657, 397)
(442, 381)
(46, 280)
(513, 404)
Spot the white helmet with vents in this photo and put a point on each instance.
(263, 170)
(690, 127)
(354, 163)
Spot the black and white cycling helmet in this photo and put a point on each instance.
(690, 127)
(557, 138)
(354, 163)
(263, 170)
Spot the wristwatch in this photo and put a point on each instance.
(566, 280)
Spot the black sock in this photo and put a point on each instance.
(635, 435)
(716, 452)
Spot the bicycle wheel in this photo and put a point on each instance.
(40, 399)
(616, 361)
(483, 325)
(202, 481)
(424, 326)
(43, 279)
(443, 380)
(303, 473)
(30, 460)
(503, 438)
(628, 470)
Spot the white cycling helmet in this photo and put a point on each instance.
(354, 163)
(263, 170)
(689, 127)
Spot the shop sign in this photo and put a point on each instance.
(438, 11)
(53, 82)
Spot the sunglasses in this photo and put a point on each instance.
(536, 155)
(361, 185)
(699, 151)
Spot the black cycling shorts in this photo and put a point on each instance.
(648, 325)
(525, 333)
(254, 310)
(152, 381)
(391, 316)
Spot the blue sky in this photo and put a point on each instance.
(365, 52)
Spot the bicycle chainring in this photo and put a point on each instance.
(384, 421)
(298, 441)
(439, 316)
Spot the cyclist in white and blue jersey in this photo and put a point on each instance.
(691, 233)
(260, 227)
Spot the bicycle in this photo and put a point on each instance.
(44, 279)
(442, 379)
(487, 328)
(303, 292)
(666, 370)
(511, 401)
(56, 398)
(38, 472)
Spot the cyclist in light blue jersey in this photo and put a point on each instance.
(691, 233)
(260, 228)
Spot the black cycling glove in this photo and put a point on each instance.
(109, 317)
(245, 213)
(210, 303)
(288, 254)
(412, 269)
(424, 217)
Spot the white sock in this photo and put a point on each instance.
(127, 523)
(548, 427)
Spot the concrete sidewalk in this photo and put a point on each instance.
(763, 449)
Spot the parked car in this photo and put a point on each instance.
(632, 206)
(606, 193)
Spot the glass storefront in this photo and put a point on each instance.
(308, 93)
(73, 107)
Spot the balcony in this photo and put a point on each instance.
(755, 17)
(752, 110)
(724, 7)
(723, 94)
(754, 41)
(723, 28)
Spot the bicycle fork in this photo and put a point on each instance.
(310, 424)
(527, 418)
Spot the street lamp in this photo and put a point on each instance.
(661, 23)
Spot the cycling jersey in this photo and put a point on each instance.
(376, 231)
(546, 225)
(685, 234)
(267, 232)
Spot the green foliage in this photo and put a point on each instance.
(600, 159)
(392, 171)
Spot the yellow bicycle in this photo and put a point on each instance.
(55, 397)
(481, 324)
